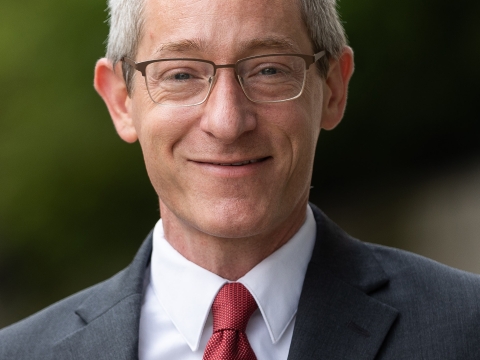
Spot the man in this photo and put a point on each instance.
(227, 99)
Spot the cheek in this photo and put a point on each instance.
(161, 130)
(303, 135)
(313, 98)
(300, 126)
(312, 105)
(157, 126)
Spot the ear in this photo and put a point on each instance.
(112, 88)
(336, 88)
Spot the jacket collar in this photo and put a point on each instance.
(337, 316)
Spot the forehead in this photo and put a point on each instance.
(227, 28)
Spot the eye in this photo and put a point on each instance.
(182, 76)
(268, 71)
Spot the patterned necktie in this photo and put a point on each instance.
(231, 310)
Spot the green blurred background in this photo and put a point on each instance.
(402, 169)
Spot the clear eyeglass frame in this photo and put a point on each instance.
(308, 61)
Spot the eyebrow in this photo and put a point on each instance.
(279, 43)
(185, 46)
(181, 46)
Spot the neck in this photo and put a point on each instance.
(229, 258)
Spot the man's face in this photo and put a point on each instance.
(189, 151)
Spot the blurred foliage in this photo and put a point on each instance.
(75, 202)
(414, 95)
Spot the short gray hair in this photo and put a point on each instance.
(126, 24)
(325, 29)
(126, 19)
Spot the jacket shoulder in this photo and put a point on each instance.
(34, 336)
(427, 273)
(37, 336)
(438, 305)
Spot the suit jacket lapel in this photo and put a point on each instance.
(337, 317)
(109, 318)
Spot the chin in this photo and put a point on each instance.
(233, 222)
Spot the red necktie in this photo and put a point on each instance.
(231, 310)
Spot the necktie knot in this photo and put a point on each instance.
(231, 311)
(232, 308)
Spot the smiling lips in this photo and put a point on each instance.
(238, 163)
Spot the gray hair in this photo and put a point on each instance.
(126, 24)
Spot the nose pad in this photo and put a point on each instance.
(212, 80)
(239, 81)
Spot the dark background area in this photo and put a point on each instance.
(75, 201)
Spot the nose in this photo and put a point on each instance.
(227, 112)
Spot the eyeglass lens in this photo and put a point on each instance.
(188, 82)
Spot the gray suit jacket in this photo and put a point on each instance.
(359, 301)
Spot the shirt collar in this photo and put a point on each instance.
(186, 291)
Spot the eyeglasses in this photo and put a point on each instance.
(188, 82)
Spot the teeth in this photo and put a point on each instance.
(238, 163)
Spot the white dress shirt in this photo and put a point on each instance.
(176, 321)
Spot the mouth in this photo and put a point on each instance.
(240, 163)
(233, 168)
(233, 163)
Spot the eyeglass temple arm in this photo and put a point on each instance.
(319, 55)
(140, 67)
(128, 61)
